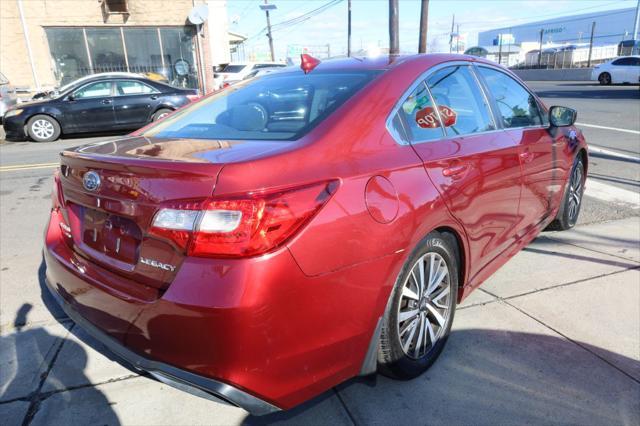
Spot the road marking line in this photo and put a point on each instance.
(633, 132)
(612, 194)
(19, 167)
(598, 150)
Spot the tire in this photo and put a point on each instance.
(572, 199)
(400, 355)
(604, 79)
(43, 128)
(161, 113)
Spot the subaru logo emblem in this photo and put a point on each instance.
(91, 181)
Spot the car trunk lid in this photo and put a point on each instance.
(111, 192)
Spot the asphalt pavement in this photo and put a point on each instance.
(553, 337)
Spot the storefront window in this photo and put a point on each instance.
(162, 53)
(179, 56)
(106, 49)
(143, 50)
(69, 53)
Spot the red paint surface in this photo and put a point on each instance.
(290, 324)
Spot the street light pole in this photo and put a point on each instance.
(424, 21)
(394, 42)
(348, 27)
(267, 7)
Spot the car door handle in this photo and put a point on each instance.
(526, 156)
(455, 171)
(106, 101)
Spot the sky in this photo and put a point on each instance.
(370, 21)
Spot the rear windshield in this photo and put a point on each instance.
(278, 106)
(233, 68)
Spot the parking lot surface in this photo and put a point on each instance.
(553, 337)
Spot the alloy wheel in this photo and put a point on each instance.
(43, 129)
(424, 306)
(575, 192)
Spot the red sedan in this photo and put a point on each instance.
(296, 230)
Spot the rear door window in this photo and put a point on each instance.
(517, 106)
(124, 88)
(460, 101)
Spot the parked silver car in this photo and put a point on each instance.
(7, 95)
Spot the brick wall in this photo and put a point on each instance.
(14, 60)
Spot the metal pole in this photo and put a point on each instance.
(25, 31)
(394, 42)
(349, 28)
(636, 23)
(540, 51)
(273, 56)
(593, 29)
(457, 38)
(424, 22)
(500, 48)
(453, 21)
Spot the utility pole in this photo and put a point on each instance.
(593, 29)
(540, 50)
(500, 48)
(348, 27)
(424, 22)
(636, 23)
(457, 38)
(394, 42)
(453, 21)
(267, 7)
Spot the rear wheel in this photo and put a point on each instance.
(42, 128)
(572, 201)
(605, 78)
(160, 114)
(420, 311)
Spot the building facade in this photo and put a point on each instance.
(48, 43)
(611, 27)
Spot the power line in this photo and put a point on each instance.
(297, 20)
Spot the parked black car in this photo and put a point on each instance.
(101, 104)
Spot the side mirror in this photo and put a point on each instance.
(70, 97)
(560, 116)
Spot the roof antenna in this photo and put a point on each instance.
(308, 63)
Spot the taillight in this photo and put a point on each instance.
(240, 226)
(56, 192)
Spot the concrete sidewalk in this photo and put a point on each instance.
(553, 337)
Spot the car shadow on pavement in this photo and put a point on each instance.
(493, 377)
(27, 374)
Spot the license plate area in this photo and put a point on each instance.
(115, 236)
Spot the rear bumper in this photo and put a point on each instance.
(256, 332)
(181, 379)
